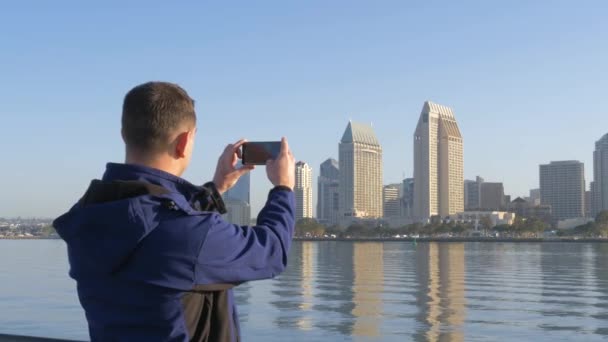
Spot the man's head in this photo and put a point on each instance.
(158, 126)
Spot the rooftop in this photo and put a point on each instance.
(360, 133)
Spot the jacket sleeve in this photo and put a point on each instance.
(234, 254)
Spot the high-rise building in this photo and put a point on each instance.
(472, 193)
(535, 196)
(492, 196)
(241, 190)
(562, 186)
(303, 190)
(238, 212)
(438, 163)
(237, 201)
(390, 200)
(328, 196)
(600, 175)
(589, 203)
(360, 173)
(407, 198)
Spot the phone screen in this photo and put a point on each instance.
(258, 152)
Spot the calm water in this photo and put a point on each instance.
(393, 291)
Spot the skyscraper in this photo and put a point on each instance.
(600, 175)
(438, 163)
(407, 198)
(238, 212)
(562, 186)
(492, 196)
(303, 190)
(360, 159)
(535, 196)
(237, 202)
(390, 199)
(472, 193)
(240, 191)
(328, 195)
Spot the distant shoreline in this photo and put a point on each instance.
(29, 238)
(457, 239)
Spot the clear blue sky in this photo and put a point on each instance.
(528, 81)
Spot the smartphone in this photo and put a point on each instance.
(258, 152)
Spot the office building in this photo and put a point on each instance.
(600, 176)
(562, 186)
(534, 196)
(472, 193)
(391, 201)
(492, 196)
(237, 201)
(438, 163)
(407, 198)
(241, 190)
(303, 190)
(328, 196)
(360, 159)
(589, 203)
(238, 212)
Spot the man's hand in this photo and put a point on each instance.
(226, 173)
(282, 170)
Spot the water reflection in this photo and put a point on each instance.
(334, 288)
(568, 291)
(309, 255)
(368, 264)
(440, 271)
(600, 253)
(393, 291)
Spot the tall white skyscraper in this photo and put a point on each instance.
(303, 190)
(328, 196)
(438, 163)
(599, 188)
(360, 158)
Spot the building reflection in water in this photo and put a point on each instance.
(309, 256)
(295, 290)
(334, 287)
(242, 295)
(368, 285)
(440, 271)
(601, 274)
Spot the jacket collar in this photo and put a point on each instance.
(173, 183)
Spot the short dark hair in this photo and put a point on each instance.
(151, 112)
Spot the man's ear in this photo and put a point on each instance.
(181, 144)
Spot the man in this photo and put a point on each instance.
(151, 255)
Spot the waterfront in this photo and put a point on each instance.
(336, 290)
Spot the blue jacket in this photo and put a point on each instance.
(151, 267)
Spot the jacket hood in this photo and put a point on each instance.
(105, 227)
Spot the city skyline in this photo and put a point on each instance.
(239, 194)
(519, 76)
